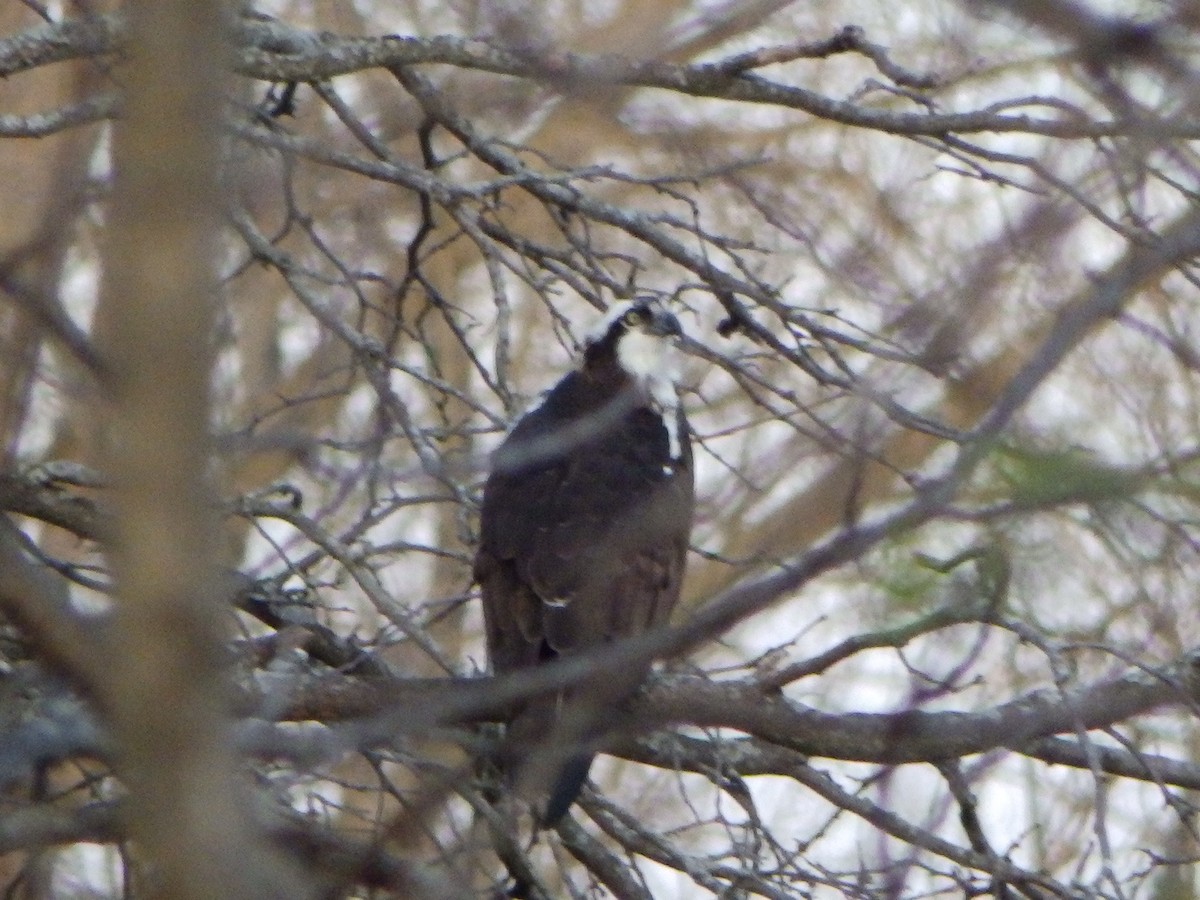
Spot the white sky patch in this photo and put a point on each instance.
(87, 870)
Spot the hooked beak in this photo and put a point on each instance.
(664, 324)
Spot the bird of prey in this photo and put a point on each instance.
(584, 535)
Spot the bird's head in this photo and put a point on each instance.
(641, 336)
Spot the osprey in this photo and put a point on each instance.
(584, 535)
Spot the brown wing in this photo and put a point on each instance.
(585, 548)
(630, 581)
(578, 550)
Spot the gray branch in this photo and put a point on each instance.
(269, 50)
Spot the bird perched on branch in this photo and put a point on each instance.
(584, 536)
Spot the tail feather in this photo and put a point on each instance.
(546, 756)
(566, 788)
(550, 744)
